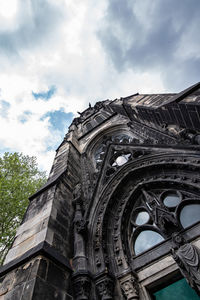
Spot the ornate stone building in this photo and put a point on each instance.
(119, 215)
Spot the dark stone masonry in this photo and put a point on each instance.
(119, 217)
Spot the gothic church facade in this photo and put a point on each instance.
(119, 217)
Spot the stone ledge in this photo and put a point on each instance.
(41, 249)
(50, 182)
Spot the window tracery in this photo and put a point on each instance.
(120, 159)
(157, 214)
(116, 138)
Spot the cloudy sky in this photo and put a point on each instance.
(56, 56)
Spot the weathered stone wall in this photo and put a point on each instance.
(34, 228)
(45, 230)
(39, 263)
(39, 278)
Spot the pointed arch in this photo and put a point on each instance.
(109, 247)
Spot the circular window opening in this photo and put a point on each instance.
(142, 218)
(190, 214)
(171, 199)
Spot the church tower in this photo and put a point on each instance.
(119, 217)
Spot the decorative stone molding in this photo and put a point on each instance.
(81, 287)
(105, 287)
(129, 287)
(81, 280)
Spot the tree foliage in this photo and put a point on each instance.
(19, 178)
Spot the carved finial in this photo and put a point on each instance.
(90, 105)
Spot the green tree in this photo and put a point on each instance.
(19, 179)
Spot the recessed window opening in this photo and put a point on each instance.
(146, 228)
(190, 214)
(177, 290)
(98, 119)
(146, 240)
(88, 126)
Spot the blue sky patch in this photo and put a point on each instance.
(59, 120)
(24, 117)
(45, 95)
(4, 149)
(4, 108)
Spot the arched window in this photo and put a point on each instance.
(117, 160)
(99, 119)
(146, 239)
(100, 153)
(158, 213)
(88, 126)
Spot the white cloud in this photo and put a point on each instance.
(46, 43)
(8, 8)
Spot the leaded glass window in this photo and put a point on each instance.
(147, 239)
(190, 214)
(157, 213)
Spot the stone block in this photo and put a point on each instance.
(14, 294)
(60, 280)
(63, 247)
(40, 278)
(28, 290)
(26, 245)
(44, 290)
(156, 267)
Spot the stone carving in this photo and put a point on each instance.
(162, 217)
(81, 287)
(88, 112)
(119, 261)
(156, 136)
(77, 192)
(79, 222)
(98, 260)
(88, 182)
(129, 287)
(81, 280)
(98, 106)
(185, 136)
(187, 257)
(105, 288)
